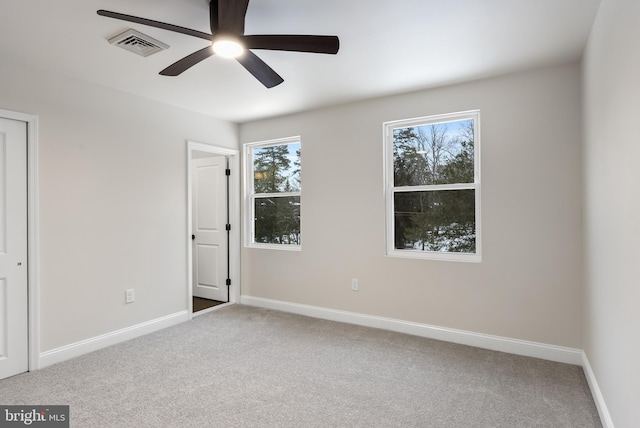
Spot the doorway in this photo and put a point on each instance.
(19, 335)
(213, 227)
(14, 346)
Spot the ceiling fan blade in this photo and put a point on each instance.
(297, 43)
(187, 62)
(231, 15)
(157, 24)
(214, 20)
(260, 69)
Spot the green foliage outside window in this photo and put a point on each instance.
(276, 186)
(427, 218)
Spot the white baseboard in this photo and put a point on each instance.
(479, 340)
(73, 350)
(603, 411)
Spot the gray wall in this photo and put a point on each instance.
(612, 202)
(112, 177)
(529, 284)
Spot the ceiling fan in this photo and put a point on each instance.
(227, 19)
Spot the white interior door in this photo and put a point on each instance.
(14, 348)
(209, 196)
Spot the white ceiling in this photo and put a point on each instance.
(386, 47)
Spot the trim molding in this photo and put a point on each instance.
(603, 411)
(234, 214)
(73, 350)
(496, 343)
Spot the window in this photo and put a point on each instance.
(272, 179)
(432, 187)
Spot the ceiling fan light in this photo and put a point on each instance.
(227, 48)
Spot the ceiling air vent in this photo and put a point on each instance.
(138, 43)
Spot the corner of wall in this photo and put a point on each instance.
(598, 398)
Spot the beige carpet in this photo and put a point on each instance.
(245, 367)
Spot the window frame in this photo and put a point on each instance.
(250, 195)
(390, 189)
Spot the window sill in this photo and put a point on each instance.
(280, 247)
(433, 255)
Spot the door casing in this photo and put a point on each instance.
(33, 241)
(234, 218)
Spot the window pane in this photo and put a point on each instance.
(439, 153)
(276, 169)
(435, 221)
(277, 220)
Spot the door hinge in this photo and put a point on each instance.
(227, 171)
(228, 281)
(228, 227)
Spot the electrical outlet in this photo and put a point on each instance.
(130, 295)
(354, 284)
